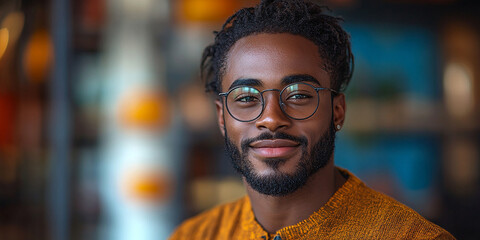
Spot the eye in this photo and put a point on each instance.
(246, 99)
(243, 95)
(299, 96)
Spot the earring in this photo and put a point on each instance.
(339, 127)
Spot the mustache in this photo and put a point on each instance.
(269, 136)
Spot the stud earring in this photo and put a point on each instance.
(339, 127)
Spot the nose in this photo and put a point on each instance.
(272, 118)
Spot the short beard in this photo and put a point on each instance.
(281, 184)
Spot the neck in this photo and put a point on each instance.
(274, 213)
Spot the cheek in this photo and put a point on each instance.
(324, 113)
(235, 130)
(313, 132)
(316, 126)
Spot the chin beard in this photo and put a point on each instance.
(279, 183)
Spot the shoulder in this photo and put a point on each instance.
(211, 222)
(383, 214)
(399, 219)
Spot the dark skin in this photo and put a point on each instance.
(269, 58)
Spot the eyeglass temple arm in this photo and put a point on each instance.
(329, 89)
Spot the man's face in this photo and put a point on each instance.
(277, 154)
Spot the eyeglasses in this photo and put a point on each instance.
(298, 101)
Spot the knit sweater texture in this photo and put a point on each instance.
(355, 211)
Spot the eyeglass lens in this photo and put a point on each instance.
(298, 101)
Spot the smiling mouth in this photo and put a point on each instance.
(275, 148)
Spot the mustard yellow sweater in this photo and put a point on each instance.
(353, 212)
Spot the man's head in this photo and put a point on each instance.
(270, 47)
(296, 17)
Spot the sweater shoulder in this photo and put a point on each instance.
(390, 216)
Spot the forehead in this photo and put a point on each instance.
(271, 57)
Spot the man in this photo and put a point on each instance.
(278, 71)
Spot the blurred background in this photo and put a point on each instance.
(106, 132)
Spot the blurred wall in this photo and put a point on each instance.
(143, 151)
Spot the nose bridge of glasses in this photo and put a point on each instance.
(272, 95)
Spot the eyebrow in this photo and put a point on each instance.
(285, 81)
(299, 78)
(246, 81)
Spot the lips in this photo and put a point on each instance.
(275, 143)
(275, 148)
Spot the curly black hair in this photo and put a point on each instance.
(296, 17)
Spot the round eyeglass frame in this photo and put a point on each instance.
(280, 102)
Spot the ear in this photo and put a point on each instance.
(220, 116)
(339, 109)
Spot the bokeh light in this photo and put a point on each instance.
(4, 38)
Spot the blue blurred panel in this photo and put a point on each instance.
(406, 56)
(402, 166)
